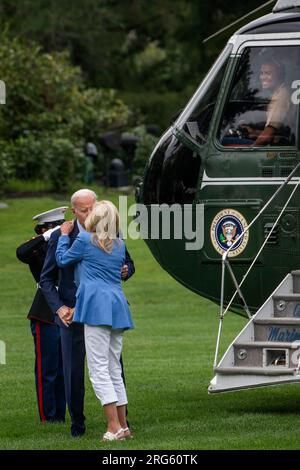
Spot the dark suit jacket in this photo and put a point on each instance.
(63, 279)
(33, 253)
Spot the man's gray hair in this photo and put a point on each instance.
(82, 193)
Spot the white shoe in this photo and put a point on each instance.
(110, 436)
(129, 435)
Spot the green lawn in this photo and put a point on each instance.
(168, 364)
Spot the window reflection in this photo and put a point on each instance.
(197, 122)
(173, 170)
(172, 174)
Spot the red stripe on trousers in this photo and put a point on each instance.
(39, 370)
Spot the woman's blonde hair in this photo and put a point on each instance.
(104, 223)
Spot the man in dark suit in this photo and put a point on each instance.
(48, 358)
(59, 289)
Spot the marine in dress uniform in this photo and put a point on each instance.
(49, 377)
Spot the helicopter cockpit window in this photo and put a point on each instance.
(196, 118)
(262, 109)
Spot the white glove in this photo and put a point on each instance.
(47, 234)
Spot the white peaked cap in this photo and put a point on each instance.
(51, 216)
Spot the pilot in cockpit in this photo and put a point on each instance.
(271, 78)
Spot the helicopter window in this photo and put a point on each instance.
(261, 110)
(196, 118)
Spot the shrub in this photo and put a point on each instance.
(144, 148)
(66, 163)
(6, 170)
(49, 114)
(47, 158)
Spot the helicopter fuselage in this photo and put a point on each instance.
(213, 163)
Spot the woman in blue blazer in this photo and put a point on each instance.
(98, 255)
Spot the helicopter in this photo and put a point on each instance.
(214, 162)
(203, 159)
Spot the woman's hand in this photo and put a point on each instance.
(67, 227)
(124, 272)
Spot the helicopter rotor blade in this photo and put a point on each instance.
(238, 20)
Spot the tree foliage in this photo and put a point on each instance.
(133, 46)
(152, 53)
(50, 113)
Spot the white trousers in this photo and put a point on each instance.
(103, 350)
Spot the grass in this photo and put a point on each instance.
(168, 364)
(17, 185)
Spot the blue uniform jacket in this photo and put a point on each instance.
(57, 284)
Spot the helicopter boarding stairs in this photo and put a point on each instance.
(267, 351)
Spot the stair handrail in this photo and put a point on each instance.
(286, 181)
(226, 263)
(259, 252)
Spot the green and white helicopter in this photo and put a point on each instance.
(230, 164)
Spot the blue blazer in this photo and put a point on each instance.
(100, 299)
(58, 285)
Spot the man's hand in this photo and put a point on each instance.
(65, 314)
(124, 272)
(71, 314)
(249, 132)
(67, 227)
